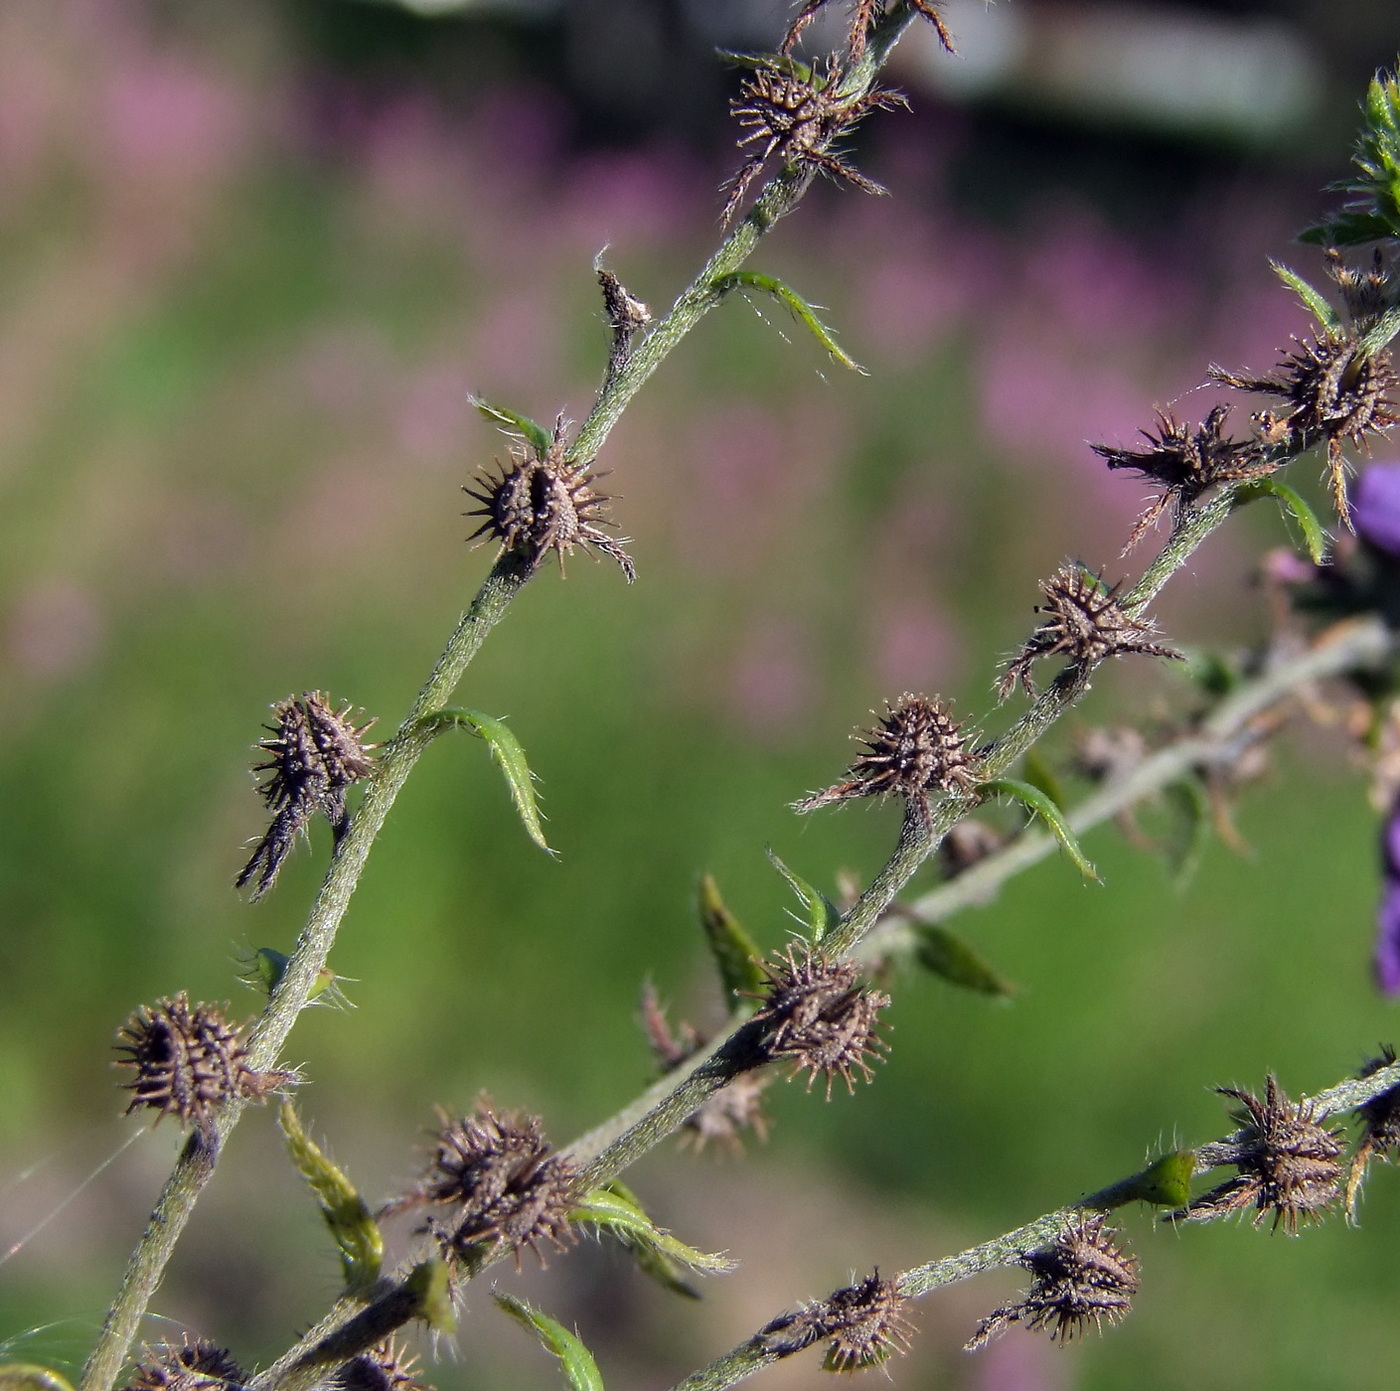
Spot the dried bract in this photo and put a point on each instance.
(505, 1182)
(546, 502)
(385, 1367)
(1287, 1163)
(1335, 389)
(1380, 1129)
(316, 753)
(795, 119)
(916, 749)
(1084, 623)
(1082, 1277)
(724, 1115)
(815, 1013)
(864, 16)
(1187, 463)
(189, 1061)
(193, 1366)
(865, 1322)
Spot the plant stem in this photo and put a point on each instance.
(1009, 1248)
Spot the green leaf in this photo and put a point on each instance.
(1185, 848)
(355, 1231)
(579, 1368)
(267, 966)
(1038, 772)
(735, 952)
(430, 1284)
(538, 437)
(616, 1210)
(1373, 212)
(25, 1376)
(508, 753)
(1035, 801)
(947, 955)
(1314, 300)
(804, 312)
(1291, 504)
(1213, 672)
(822, 913)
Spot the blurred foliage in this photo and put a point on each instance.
(243, 298)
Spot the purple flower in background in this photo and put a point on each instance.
(1387, 956)
(1376, 507)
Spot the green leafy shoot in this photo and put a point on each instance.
(1036, 802)
(821, 913)
(947, 955)
(735, 952)
(575, 1360)
(1291, 505)
(266, 967)
(800, 309)
(355, 1231)
(1316, 303)
(430, 1284)
(508, 753)
(538, 438)
(1036, 770)
(616, 1210)
(1186, 845)
(1166, 1182)
(1372, 213)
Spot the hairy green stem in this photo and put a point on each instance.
(1008, 1249)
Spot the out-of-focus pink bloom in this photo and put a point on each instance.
(1375, 507)
(1387, 954)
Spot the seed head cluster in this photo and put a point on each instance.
(1186, 463)
(794, 117)
(865, 14)
(816, 1014)
(1081, 1277)
(188, 1062)
(193, 1366)
(1083, 622)
(543, 502)
(916, 749)
(865, 1322)
(725, 1114)
(1287, 1164)
(503, 1182)
(1334, 388)
(1380, 1128)
(385, 1367)
(315, 753)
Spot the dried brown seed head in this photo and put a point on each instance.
(916, 749)
(505, 1182)
(315, 753)
(1081, 1277)
(546, 502)
(815, 1013)
(795, 120)
(725, 1114)
(189, 1061)
(1335, 389)
(1083, 622)
(193, 1366)
(385, 1367)
(1380, 1129)
(865, 14)
(865, 1322)
(1287, 1163)
(1367, 294)
(1187, 463)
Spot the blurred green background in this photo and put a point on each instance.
(252, 261)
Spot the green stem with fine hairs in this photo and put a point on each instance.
(197, 1159)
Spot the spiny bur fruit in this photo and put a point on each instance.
(192, 1366)
(1288, 1164)
(503, 1183)
(384, 1367)
(188, 1062)
(543, 502)
(1084, 1276)
(865, 1322)
(816, 1014)
(1084, 622)
(316, 753)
